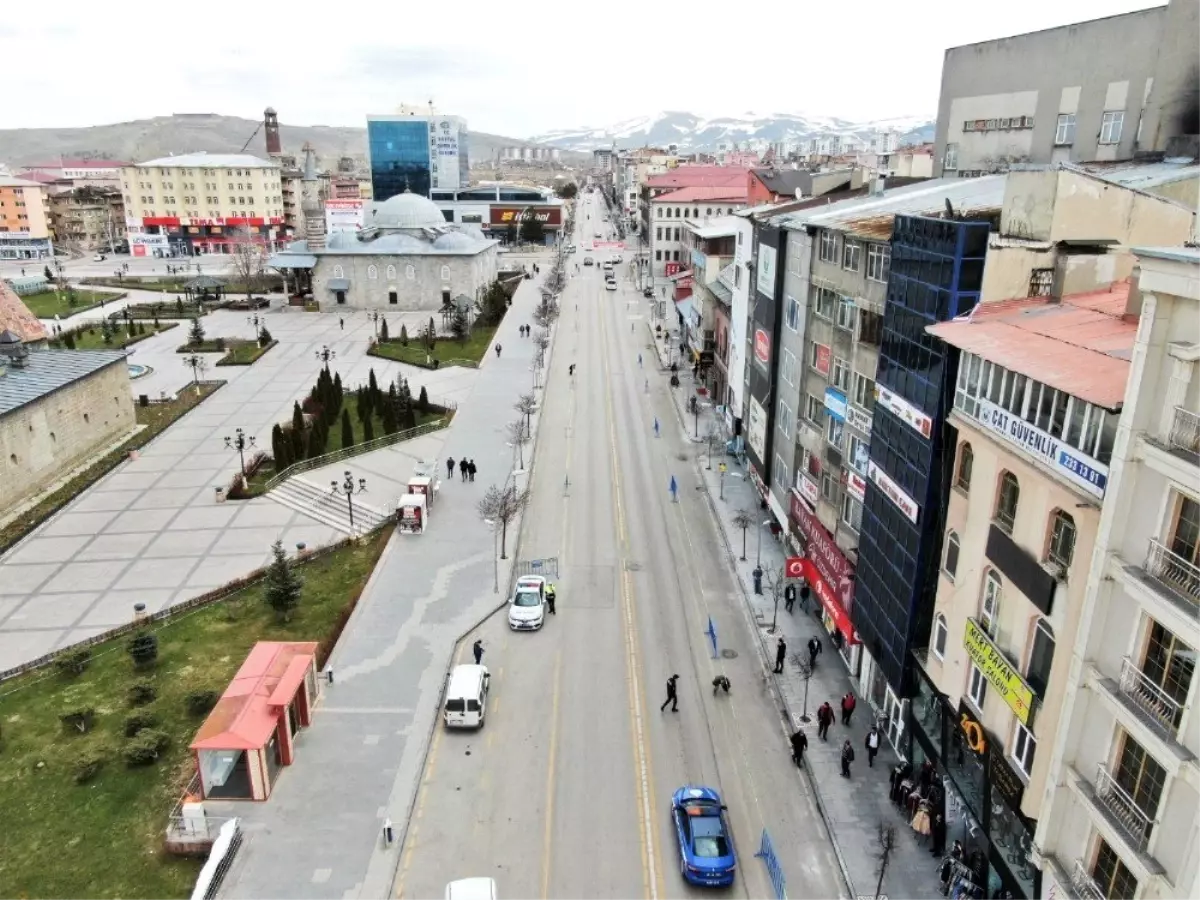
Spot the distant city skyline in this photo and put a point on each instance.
(516, 76)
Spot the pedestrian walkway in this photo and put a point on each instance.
(853, 808)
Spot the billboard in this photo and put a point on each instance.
(765, 280)
(343, 215)
(506, 215)
(757, 430)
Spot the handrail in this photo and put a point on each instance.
(1174, 571)
(1085, 886)
(1132, 818)
(1185, 430)
(1150, 697)
(306, 465)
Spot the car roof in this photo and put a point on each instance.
(531, 581)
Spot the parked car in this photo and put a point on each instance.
(527, 609)
(587, 261)
(706, 853)
(648, 292)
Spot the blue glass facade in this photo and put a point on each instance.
(936, 272)
(399, 153)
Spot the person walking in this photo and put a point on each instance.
(674, 489)
(551, 596)
(780, 656)
(342, 324)
(462, 468)
(847, 758)
(804, 593)
(789, 596)
(814, 650)
(471, 470)
(758, 577)
(848, 704)
(571, 370)
(477, 649)
(672, 696)
(497, 351)
(872, 745)
(639, 360)
(824, 720)
(450, 467)
(799, 742)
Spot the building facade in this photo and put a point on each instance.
(88, 218)
(83, 171)
(672, 212)
(24, 220)
(417, 152)
(499, 209)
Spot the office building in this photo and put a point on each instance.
(24, 220)
(498, 209)
(418, 151)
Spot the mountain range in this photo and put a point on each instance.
(692, 133)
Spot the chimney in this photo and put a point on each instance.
(880, 184)
(271, 127)
(13, 352)
(1133, 304)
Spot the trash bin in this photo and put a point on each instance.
(220, 493)
(133, 454)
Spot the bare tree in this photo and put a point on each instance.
(526, 406)
(887, 844)
(775, 579)
(742, 520)
(500, 506)
(517, 438)
(249, 258)
(541, 340)
(546, 313)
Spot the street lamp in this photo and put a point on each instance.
(346, 486)
(239, 442)
(374, 317)
(325, 355)
(198, 365)
(765, 523)
(257, 323)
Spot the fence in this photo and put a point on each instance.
(766, 852)
(225, 848)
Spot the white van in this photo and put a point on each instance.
(471, 889)
(465, 703)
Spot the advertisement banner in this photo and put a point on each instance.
(506, 215)
(808, 489)
(859, 419)
(998, 671)
(905, 411)
(823, 360)
(765, 279)
(673, 268)
(835, 403)
(1077, 467)
(835, 584)
(894, 492)
(343, 215)
(856, 486)
(762, 346)
(794, 567)
(757, 428)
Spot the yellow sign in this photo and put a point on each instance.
(974, 734)
(998, 671)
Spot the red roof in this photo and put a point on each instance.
(736, 193)
(688, 176)
(43, 178)
(247, 713)
(1080, 345)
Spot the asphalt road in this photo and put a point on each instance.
(565, 792)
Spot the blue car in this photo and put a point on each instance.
(706, 854)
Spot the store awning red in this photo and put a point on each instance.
(830, 602)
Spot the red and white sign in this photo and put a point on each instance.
(762, 346)
(829, 572)
(673, 268)
(506, 215)
(609, 245)
(343, 215)
(905, 411)
(823, 359)
(894, 492)
(808, 490)
(856, 486)
(794, 567)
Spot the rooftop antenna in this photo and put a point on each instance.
(431, 106)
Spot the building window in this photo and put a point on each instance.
(1023, 748)
(658, 233)
(660, 212)
(373, 272)
(950, 561)
(1064, 132)
(658, 256)
(445, 273)
(870, 327)
(1111, 875)
(781, 474)
(940, 633)
(828, 247)
(1141, 777)
(828, 487)
(879, 262)
(393, 298)
(1041, 658)
(841, 373)
(976, 688)
(989, 608)
(950, 160)
(1110, 127)
(338, 272)
(784, 413)
(1169, 664)
(835, 431)
(1062, 540)
(824, 301)
(851, 513)
(788, 369)
(792, 313)
(814, 409)
(676, 235)
(1006, 501)
(391, 273)
(851, 255)
(410, 272)
(1041, 282)
(863, 391)
(846, 313)
(859, 454)
(966, 459)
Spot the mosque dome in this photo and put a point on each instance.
(456, 240)
(405, 210)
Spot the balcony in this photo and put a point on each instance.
(1185, 432)
(1180, 578)
(1121, 810)
(1082, 885)
(1149, 701)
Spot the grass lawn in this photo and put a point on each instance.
(48, 304)
(156, 417)
(243, 354)
(175, 284)
(92, 338)
(168, 309)
(104, 838)
(447, 351)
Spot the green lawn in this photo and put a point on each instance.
(243, 353)
(167, 309)
(48, 304)
(104, 839)
(447, 351)
(92, 337)
(175, 284)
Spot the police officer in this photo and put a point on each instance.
(550, 597)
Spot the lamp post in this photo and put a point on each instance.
(198, 365)
(374, 318)
(325, 355)
(347, 487)
(239, 442)
(765, 523)
(257, 323)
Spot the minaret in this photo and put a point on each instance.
(271, 127)
(311, 205)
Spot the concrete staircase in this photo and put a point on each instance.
(326, 506)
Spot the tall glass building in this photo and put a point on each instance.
(399, 150)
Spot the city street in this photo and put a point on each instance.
(566, 790)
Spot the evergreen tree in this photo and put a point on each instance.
(423, 400)
(362, 405)
(383, 331)
(278, 445)
(284, 586)
(403, 335)
(368, 431)
(195, 333)
(431, 334)
(390, 422)
(339, 394)
(460, 325)
(69, 340)
(297, 418)
(347, 430)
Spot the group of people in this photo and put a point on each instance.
(466, 468)
(825, 718)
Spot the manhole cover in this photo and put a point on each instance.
(729, 654)
(631, 566)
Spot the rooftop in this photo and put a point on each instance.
(687, 176)
(204, 160)
(704, 192)
(1080, 345)
(787, 181)
(1141, 175)
(1189, 255)
(247, 713)
(15, 315)
(9, 181)
(718, 226)
(46, 371)
(68, 163)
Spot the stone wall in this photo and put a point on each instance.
(41, 441)
(417, 280)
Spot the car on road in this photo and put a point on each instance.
(706, 854)
(597, 235)
(587, 261)
(471, 889)
(648, 292)
(527, 609)
(99, 257)
(617, 258)
(610, 285)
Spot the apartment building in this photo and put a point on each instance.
(1121, 798)
(710, 246)
(670, 214)
(202, 203)
(24, 220)
(87, 218)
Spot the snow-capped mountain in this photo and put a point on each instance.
(692, 133)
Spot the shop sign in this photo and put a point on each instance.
(894, 492)
(836, 582)
(507, 215)
(998, 671)
(859, 419)
(905, 411)
(823, 359)
(856, 486)
(762, 345)
(1078, 468)
(794, 567)
(1005, 781)
(974, 737)
(758, 428)
(835, 403)
(808, 489)
(673, 268)
(765, 276)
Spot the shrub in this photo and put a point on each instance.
(198, 703)
(80, 719)
(403, 336)
(139, 722)
(141, 692)
(73, 662)
(264, 337)
(220, 344)
(144, 749)
(144, 649)
(87, 766)
(237, 488)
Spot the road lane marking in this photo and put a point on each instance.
(651, 871)
(547, 855)
(410, 838)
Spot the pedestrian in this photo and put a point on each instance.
(471, 470)
(799, 745)
(342, 324)
(497, 351)
(789, 595)
(872, 745)
(814, 650)
(463, 465)
(639, 360)
(656, 426)
(450, 467)
(848, 704)
(477, 649)
(780, 656)
(672, 697)
(571, 370)
(847, 758)
(551, 596)
(824, 720)
(758, 576)
(674, 489)
(804, 594)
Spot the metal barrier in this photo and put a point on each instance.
(378, 443)
(547, 568)
(766, 852)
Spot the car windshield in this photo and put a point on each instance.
(527, 598)
(708, 837)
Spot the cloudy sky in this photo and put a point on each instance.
(514, 69)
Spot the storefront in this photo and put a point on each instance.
(831, 576)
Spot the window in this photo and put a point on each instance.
(1006, 501)
(1064, 132)
(950, 160)
(976, 687)
(814, 409)
(989, 609)
(828, 487)
(847, 313)
(1041, 658)
(658, 233)
(391, 273)
(658, 256)
(950, 560)
(879, 262)
(1062, 540)
(1023, 748)
(835, 431)
(851, 255)
(788, 369)
(863, 391)
(851, 513)
(966, 459)
(1142, 778)
(940, 633)
(870, 327)
(841, 373)
(792, 313)
(1110, 127)
(373, 272)
(393, 298)
(1169, 664)
(445, 273)
(781, 474)
(410, 272)
(338, 272)
(783, 413)
(823, 302)
(1111, 875)
(676, 235)
(660, 212)
(828, 247)
(859, 454)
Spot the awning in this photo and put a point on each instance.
(338, 284)
(830, 603)
(682, 273)
(685, 308)
(292, 261)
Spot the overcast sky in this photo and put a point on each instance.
(515, 69)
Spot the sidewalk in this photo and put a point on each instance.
(853, 808)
